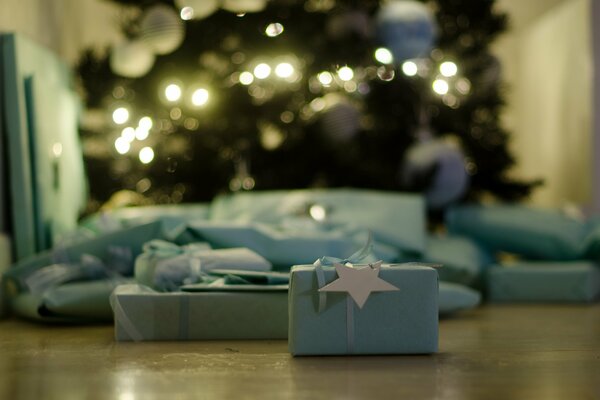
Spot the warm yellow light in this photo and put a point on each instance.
(409, 68)
(318, 213)
(262, 71)
(318, 104)
(448, 68)
(146, 123)
(120, 115)
(128, 134)
(274, 29)
(173, 92)
(246, 78)
(384, 56)
(345, 73)
(141, 133)
(146, 155)
(284, 70)
(200, 97)
(440, 86)
(325, 78)
(122, 145)
(186, 13)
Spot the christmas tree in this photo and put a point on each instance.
(208, 96)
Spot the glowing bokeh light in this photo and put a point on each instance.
(146, 155)
(384, 56)
(120, 115)
(409, 68)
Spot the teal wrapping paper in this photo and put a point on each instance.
(544, 282)
(463, 259)
(165, 266)
(454, 297)
(285, 247)
(532, 233)
(74, 303)
(143, 314)
(397, 322)
(396, 219)
(131, 238)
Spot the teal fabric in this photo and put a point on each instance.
(396, 219)
(532, 233)
(454, 298)
(78, 302)
(165, 266)
(398, 322)
(575, 281)
(286, 247)
(131, 238)
(143, 314)
(463, 260)
(172, 217)
(48, 188)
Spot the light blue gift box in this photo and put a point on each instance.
(142, 314)
(396, 322)
(574, 281)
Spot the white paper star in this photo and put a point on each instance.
(359, 283)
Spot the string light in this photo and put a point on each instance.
(345, 73)
(128, 134)
(384, 56)
(448, 69)
(284, 70)
(246, 78)
(122, 145)
(262, 71)
(173, 92)
(186, 13)
(146, 155)
(325, 78)
(200, 97)
(317, 212)
(120, 115)
(274, 29)
(409, 68)
(146, 123)
(141, 133)
(440, 86)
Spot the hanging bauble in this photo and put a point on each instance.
(349, 23)
(201, 8)
(436, 167)
(406, 28)
(131, 59)
(244, 6)
(340, 119)
(162, 29)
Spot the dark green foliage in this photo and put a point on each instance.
(228, 131)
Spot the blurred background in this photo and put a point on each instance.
(457, 99)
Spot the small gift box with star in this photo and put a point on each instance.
(363, 309)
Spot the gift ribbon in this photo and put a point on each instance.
(164, 249)
(326, 261)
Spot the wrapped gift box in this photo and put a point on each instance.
(574, 281)
(403, 321)
(143, 314)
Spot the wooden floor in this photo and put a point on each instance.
(495, 352)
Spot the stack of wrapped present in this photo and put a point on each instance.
(553, 255)
(211, 271)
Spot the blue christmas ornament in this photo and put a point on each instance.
(406, 28)
(436, 167)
